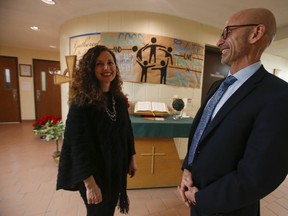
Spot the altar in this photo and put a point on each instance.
(157, 159)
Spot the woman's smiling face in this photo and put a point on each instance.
(105, 69)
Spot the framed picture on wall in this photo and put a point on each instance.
(25, 70)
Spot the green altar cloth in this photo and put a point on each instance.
(167, 128)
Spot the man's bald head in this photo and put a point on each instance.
(257, 16)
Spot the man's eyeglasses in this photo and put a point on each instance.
(227, 29)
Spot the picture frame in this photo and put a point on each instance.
(25, 70)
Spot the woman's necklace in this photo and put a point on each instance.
(112, 114)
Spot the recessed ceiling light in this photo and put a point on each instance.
(50, 2)
(35, 28)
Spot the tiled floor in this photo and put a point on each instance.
(27, 184)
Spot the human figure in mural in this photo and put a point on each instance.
(144, 71)
(168, 54)
(163, 70)
(153, 47)
(168, 59)
(139, 52)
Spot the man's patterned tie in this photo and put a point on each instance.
(206, 115)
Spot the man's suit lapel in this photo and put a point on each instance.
(239, 95)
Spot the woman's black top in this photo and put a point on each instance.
(95, 145)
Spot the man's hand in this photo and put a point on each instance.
(190, 195)
(185, 185)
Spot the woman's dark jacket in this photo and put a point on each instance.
(95, 145)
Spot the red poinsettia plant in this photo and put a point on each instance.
(42, 121)
(51, 128)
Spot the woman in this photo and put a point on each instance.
(98, 147)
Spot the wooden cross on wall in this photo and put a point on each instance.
(68, 73)
(153, 154)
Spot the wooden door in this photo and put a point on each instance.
(47, 94)
(9, 90)
(213, 69)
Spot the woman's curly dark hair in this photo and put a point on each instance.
(86, 88)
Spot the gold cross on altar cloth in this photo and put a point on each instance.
(153, 154)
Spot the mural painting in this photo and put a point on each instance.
(148, 58)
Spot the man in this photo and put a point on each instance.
(242, 155)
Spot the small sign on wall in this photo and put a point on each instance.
(25, 70)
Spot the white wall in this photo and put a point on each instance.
(277, 63)
(152, 23)
(141, 22)
(149, 23)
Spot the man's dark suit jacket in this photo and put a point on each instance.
(243, 154)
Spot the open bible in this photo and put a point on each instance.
(148, 108)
